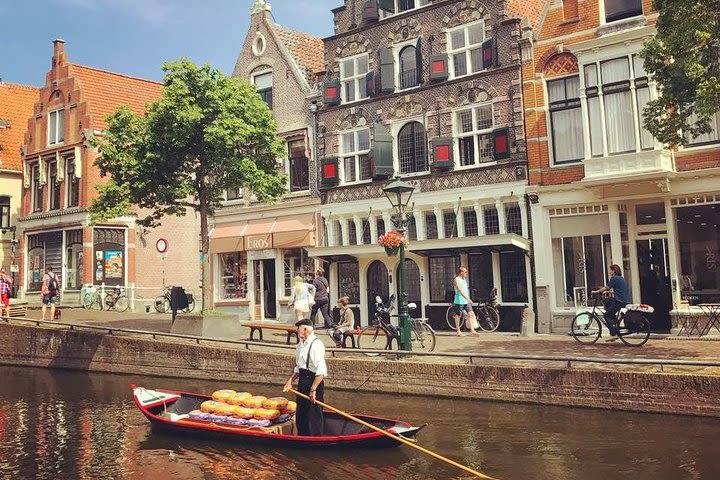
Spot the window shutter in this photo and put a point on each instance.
(501, 143)
(331, 93)
(443, 153)
(382, 156)
(387, 5)
(439, 67)
(329, 175)
(418, 59)
(489, 54)
(387, 70)
(370, 83)
(370, 11)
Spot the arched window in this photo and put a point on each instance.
(412, 148)
(408, 67)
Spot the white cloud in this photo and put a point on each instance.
(154, 12)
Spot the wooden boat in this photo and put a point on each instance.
(168, 410)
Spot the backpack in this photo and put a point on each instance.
(53, 286)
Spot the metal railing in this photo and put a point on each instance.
(567, 359)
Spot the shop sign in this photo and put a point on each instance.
(257, 242)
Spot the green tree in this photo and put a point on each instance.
(684, 59)
(207, 133)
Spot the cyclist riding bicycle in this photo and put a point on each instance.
(463, 302)
(619, 287)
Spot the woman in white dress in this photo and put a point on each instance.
(301, 298)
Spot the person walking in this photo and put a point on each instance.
(621, 297)
(347, 322)
(322, 298)
(49, 291)
(310, 371)
(300, 297)
(5, 288)
(463, 302)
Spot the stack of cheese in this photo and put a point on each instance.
(242, 408)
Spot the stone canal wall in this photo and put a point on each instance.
(621, 390)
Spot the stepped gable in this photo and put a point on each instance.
(305, 49)
(16, 107)
(105, 91)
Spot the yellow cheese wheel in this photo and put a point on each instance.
(277, 403)
(267, 413)
(208, 406)
(238, 398)
(254, 402)
(223, 395)
(223, 409)
(291, 407)
(243, 412)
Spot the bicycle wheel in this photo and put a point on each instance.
(110, 301)
(122, 303)
(450, 318)
(162, 304)
(88, 300)
(372, 338)
(423, 337)
(488, 318)
(191, 305)
(637, 335)
(586, 328)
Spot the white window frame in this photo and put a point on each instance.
(465, 49)
(603, 16)
(70, 163)
(418, 4)
(35, 177)
(457, 135)
(397, 48)
(53, 186)
(356, 78)
(287, 165)
(259, 73)
(395, 131)
(56, 131)
(548, 120)
(342, 155)
(239, 198)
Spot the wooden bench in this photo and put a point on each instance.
(259, 327)
(18, 310)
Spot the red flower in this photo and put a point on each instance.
(392, 239)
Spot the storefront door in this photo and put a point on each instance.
(264, 289)
(654, 275)
(378, 285)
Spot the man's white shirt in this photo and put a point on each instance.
(317, 356)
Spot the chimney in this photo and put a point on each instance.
(260, 6)
(59, 58)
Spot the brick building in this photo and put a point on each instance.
(16, 106)
(432, 92)
(256, 248)
(59, 179)
(604, 190)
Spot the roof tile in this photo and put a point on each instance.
(533, 9)
(307, 50)
(16, 107)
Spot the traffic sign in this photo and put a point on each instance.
(161, 245)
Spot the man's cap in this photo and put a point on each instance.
(304, 321)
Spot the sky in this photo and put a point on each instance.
(135, 37)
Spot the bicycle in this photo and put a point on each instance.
(162, 302)
(116, 300)
(633, 326)
(422, 334)
(486, 313)
(91, 298)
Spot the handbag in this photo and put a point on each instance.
(311, 300)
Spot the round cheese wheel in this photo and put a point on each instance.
(278, 403)
(266, 414)
(208, 406)
(290, 408)
(223, 409)
(243, 412)
(238, 398)
(198, 415)
(254, 402)
(223, 395)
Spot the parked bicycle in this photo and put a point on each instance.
(485, 310)
(162, 302)
(92, 299)
(380, 334)
(116, 300)
(633, 326)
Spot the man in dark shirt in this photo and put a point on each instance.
(621, 297)
(322, 298)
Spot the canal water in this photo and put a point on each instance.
(58, 424)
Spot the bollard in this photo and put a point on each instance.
(527, 327)
(147, 308)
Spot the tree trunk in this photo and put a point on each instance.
(204, 249)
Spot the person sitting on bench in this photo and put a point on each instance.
(347, 322)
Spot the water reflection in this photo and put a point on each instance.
(68, 425)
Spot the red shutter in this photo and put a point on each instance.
(331, 93)
(370, 11)
(501, 143)
(329, 174)
(489, 54)
(443, 153)
(439, 67)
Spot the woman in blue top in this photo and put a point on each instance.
(463, 302)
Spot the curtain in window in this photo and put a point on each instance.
(619, 122)
(567, 131)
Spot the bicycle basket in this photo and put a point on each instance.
(633, 319)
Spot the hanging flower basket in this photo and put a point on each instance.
(391, 241)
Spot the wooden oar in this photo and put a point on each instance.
(395, 437)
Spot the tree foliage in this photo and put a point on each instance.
(208, 132)
(684, 59)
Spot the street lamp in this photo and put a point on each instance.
(398, 193)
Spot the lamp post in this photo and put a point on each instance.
(398, 193)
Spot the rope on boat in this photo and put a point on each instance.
(396, 437)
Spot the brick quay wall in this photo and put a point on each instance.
(616, 388)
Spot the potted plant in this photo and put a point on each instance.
(391, 241)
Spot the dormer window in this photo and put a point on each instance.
(395, 7)
(621, 9)
(56, 127)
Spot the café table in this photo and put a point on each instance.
(712, 313)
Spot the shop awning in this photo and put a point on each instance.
(289, 231)
(501, 243)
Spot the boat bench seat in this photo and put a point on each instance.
(259, 327)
